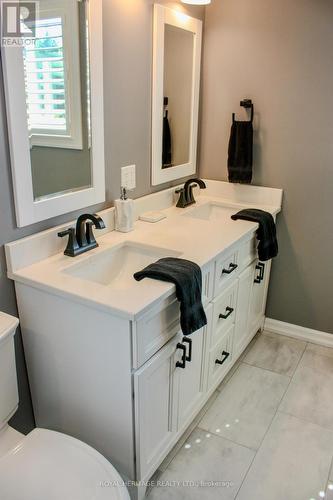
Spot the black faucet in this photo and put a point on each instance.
(186, 197)
(82, 238)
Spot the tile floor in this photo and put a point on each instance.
(266, 433)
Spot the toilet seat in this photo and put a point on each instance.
(53, 466)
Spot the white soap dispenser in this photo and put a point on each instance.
(124, 213)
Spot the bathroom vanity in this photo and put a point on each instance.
(107, 361)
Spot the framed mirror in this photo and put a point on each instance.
(54, 100)
(176, 88)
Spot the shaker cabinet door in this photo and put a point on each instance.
(154, 407)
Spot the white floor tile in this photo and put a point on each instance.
(293, 462)
(246, 406)
(309, 395)
(205, 458)
(276, 353)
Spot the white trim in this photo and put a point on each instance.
(162, 16)
(299, 332)
(28, 210)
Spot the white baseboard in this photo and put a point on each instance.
(299, 332)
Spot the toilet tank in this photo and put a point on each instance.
(8, 379)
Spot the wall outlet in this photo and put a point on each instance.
(128, 177)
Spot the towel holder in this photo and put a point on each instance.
(247, 104)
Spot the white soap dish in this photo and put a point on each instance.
(152, 216)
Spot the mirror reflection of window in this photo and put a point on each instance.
(45, 85)
(178, 83)
(56, 71)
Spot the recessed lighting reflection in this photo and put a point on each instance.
(198, 441)
(187, 446)
(208, 436)
(330, 487)
(237, 421)
(227, 426)
(322, 494)
(218, 430)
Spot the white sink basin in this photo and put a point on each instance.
(212, 211)
(115, 267)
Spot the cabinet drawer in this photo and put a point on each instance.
(227, 269)
(248, 253)
(207, 283)
(220, 358)
(224, 312)
(154, 330)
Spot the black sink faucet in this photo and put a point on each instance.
(82, 238)
(186, 197)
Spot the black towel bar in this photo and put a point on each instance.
(247, 104)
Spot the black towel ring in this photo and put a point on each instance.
(246, 103)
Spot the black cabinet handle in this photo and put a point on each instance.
(232, 267)
(225, 356)
(182, 363)
(229, 310)
(260, 267)
(262, 270)
(189, 342)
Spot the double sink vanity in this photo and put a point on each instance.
(107, 361)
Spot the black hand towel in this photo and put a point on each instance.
(167, 145)
(266, 234)
(186, 275)
(240, 154)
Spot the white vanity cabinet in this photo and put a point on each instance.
(168, 390)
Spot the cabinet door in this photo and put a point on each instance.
(242, 326)
(154, 407)
(259, 295)
(191, 378)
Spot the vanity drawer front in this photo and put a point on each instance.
(153, 331)
(248, 253)
(227, 269)
(224, 312)
(220, 358)
(207, 283)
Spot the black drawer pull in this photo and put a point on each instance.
(225, 356)
(232, 267)
(260, 267)
(189, 342)
(229, 310)
(182, 363)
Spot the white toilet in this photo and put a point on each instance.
(45, 464)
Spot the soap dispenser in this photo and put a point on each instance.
(124, 213)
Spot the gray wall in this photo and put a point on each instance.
(279, 53)
(127, 94)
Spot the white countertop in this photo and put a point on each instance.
(198, 240)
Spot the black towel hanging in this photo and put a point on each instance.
(247, 104)
(240, 150)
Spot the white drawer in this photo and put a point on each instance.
(224, 312)
(248, 253)
(226, 270)
(220, 358)
(154, 330)
(207, 283)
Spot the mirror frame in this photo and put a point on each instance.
(28, 210)
(163, 16)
